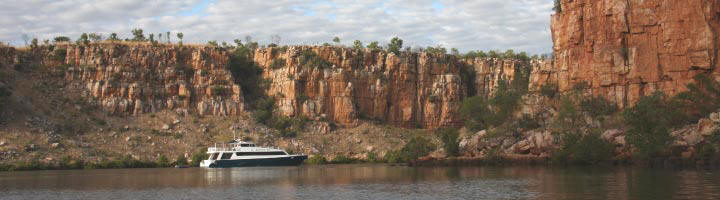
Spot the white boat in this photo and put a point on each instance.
(239, 153)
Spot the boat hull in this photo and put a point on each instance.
(280, 161)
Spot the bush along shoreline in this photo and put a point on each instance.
(124, 162)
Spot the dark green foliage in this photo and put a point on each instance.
(212, 43)
(701, 98)
(83, 40)
(336, 40)
(5, 94)
(264, 108)
(61, 39)
(481, 113)
(277, 63)
(436, 50)
(467, 74)
(246, 73)
(372, 157)
(582, 149)
(288, 127)
(650, 121)
(316, 160)
(302, 98)
(113, 37)
(475, 54)
(705, 151)
(549, 90)
(449, 137)
(180, 160)
(342, 159)
(309, 59)
(395, 45)
(580, 86)
(197, 157)
(528, 122)
(598, 106)
(357, 45)
(373, 46)
(557, 7)
(415, 148)
(163, 161)
(138, 35)
(218, 90)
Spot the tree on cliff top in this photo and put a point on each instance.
(138, 35)
(395, 45)
(558, 6)
(83, 39)
(180, 36)
(374, 45)
(336, 40)
(358, 45)
(61, 39)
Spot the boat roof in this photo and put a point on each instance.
(239, 142)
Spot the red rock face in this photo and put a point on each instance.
(625, 49)
(410, 90)
(142, 78)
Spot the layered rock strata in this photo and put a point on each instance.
(408, 90)
(133, 79)
(625, 49)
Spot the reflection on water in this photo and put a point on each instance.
(363, 182)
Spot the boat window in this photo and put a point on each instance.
(273, 153)
(244, 145)
(225, 156)
(213, 156)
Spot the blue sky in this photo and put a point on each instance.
(522, 25)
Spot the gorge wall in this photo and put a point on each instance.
(340, 85)
(625, 49)
(136, 79)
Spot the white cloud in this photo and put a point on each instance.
(468, 25)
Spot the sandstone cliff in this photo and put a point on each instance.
(408, 90)
(142, 78)
(625, 49)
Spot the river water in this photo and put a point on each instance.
(363, 182)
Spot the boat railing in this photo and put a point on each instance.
(224, 147)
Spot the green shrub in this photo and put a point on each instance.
(468, 76)
(549, 90)
(481, 114)
(163, 161)
(180, 160)
(557, 7)
(372, 157)
(649, 122)
(582, 149)
(701, 98)
(316, 160)
(415, 148)
(5, 94)
(580, 86)
(342, 159)
(59, 55)
(395, 45)
(528, 122)
(309, 59)
(277, 63)
(449, 137)
(705, 151)
(218, 90)
(198, 157)
(598, 106)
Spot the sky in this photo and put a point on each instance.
(522, 25)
